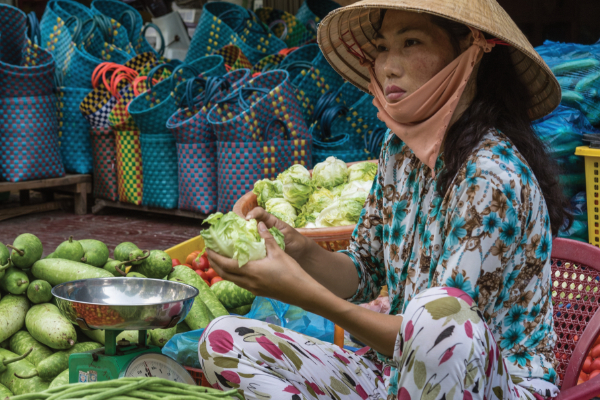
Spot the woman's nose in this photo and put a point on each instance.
(392, 66)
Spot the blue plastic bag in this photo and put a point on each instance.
(183, 347)
(579, 229)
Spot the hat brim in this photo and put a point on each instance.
(355, 24)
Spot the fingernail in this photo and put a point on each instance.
(262, 227)
(248, 217)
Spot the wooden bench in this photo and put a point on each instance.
(79, 185)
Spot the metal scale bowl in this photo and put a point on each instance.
(118, 304)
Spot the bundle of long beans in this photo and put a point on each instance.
(131, 389)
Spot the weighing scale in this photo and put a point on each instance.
(118, 304)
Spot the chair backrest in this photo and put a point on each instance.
(576, 297)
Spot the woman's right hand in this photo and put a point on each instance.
(296, 244)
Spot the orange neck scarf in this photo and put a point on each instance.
(422, 119)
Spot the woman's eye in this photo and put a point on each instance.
(381, 48)
(410, 42)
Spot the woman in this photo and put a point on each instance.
(458, 224)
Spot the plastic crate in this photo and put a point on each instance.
(198, 376)
(592, 189)
(182, 250)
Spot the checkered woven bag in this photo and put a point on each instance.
(234, 57)
(240, 164)
(13, 34)
(159, 159)
(286, 27)
(29, 139)
(74, 131)
(198, 178)
(311, 12)
(151, 110)
(268, 63)
(300, 60)
(129, 166)
(105, 163)
(224, 23)
(244, 116)
(57, 35)
(189, 125)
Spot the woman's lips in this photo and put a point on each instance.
(394, 92)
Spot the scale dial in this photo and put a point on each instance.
(157, 366)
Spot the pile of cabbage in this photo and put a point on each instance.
(335, 195)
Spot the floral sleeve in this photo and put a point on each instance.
(366, 249)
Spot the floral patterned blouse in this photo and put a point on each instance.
(489, 236)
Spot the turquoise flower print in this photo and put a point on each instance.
(509, 192)
(436, 206)
(379, 232)
(534, 312)
(515, 316)
(397, 232)
(510, 279)
(400, 210)
(392, 278)
(520, 358)
(502, 297)
(522, 245)
(513, 336)
(470, 173)
(395, 145)
(509, 231)
(426, 240)
(457, 231)
(551, 375)
(506, 154)
(422, 223)
(543, 249)
(491, 222)
(446, 252)
(476, 294)
(461, 283)
(525, 173)
(386, 233)
(534, 340)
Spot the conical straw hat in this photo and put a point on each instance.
(354, 25)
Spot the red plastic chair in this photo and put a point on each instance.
(576, 298)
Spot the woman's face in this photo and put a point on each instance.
(411, 50)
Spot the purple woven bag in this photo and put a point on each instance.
(29, 137)
(197, 177)
(243, 163)
(243, 116)
(189, 125)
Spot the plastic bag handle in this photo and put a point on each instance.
(135, 84)
(132, 18)
(286, 131)
(163, 45)
(33, 29)
(181, 67)
(285, 27)
(375, 139)
(328, 117)
(153, 71)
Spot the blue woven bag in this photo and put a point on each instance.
(311, 12)
(300, 60)
(240, 164)
(198, 177)
(29, 139)
(151, 110)
(74, 132)
(224, 23)
(286, 27)
(56, 33)
(13, 34)
(243, 116)
(159, 163)
(190, 125)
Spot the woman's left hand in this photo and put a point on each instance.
(277, 276)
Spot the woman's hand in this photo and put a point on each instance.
(295, 243)
(277, 276)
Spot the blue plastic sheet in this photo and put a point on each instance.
(183, 347)
(579, 229)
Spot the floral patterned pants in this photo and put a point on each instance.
(444, 351)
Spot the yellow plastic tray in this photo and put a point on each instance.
(592, 189)
(182, 250)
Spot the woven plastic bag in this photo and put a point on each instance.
(198, 176)
(224, 23)
(268, 63)
(243, 163)
(286, 26)
(159, 159)
(311, 12)
(104, 150)
(74, 131)
(234, 57)
(244, 116)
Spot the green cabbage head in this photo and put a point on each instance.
(330, 173)
(343, 211)
(266, 189)
(283, 210)
(364, 171)
(297, 185)
(232, 236)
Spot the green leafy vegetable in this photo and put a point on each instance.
(283, 210)
(297, 185)
(278, 236)
(364, 171)
(317, 202)
(266, 189)
(355, 187)
(330, 173)
(232, 236)
(343, 211)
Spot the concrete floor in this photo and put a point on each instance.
(147, 231)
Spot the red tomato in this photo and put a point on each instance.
(575, 338)
(211, 273)
(595, 353)
(583, 376)
(175, 262)
(190, 258)
(595, 365)
(207, 282)
(200, 263)
(587, 365)
(215, 280)
(202, 274)
(597, 342)
(204, 262)
(593, 374)
(187, 265)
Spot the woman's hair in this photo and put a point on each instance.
(500, 103)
